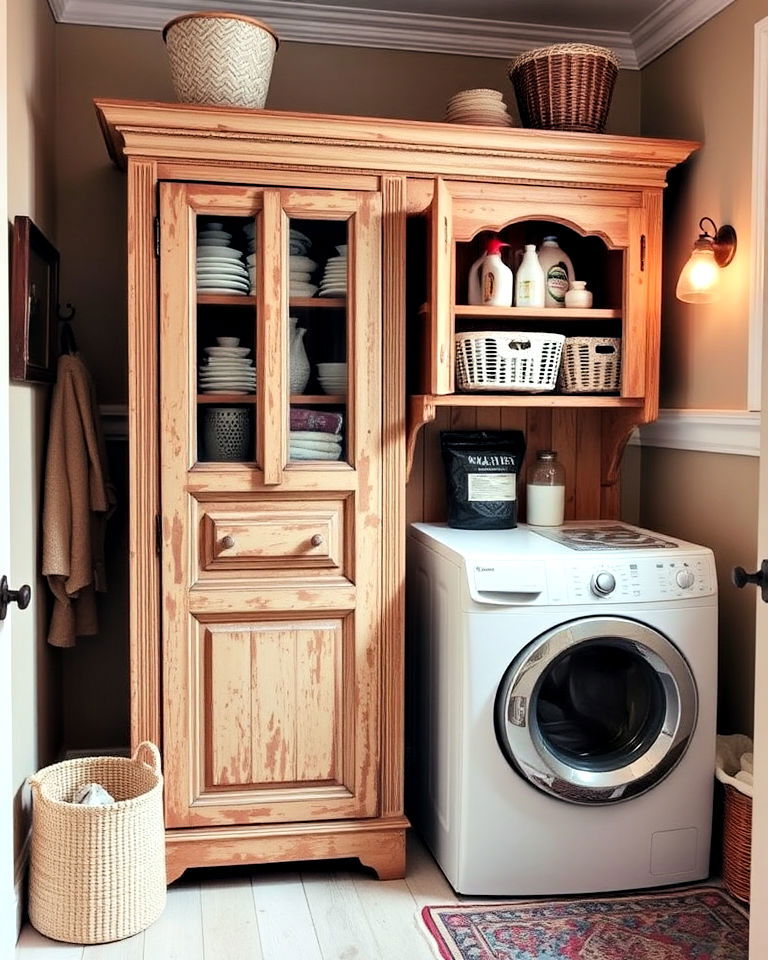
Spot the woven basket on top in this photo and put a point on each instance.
(737, 842)
(567, 86)
(98, 873)
(220, 58)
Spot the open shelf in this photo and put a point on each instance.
(319, 398)
(244, 300)
(226, 398)
(423, 407)
(536, 313)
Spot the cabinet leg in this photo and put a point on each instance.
(386, 859)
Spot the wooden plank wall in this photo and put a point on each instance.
(575, 434)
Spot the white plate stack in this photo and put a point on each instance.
(485, 108)
(220, 266)
(333, 377)
(313, 445)
(249, 229)
(334, 282)
(227, 369)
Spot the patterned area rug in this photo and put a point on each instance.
(697, 924)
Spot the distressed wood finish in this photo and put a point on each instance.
(188, 133)
(143, 438)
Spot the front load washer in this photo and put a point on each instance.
(562, 695)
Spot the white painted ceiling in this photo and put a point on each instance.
(637, 30)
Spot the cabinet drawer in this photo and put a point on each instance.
(272, 535)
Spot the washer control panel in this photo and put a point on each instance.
(593, 579)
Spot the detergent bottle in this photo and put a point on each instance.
(490, 279)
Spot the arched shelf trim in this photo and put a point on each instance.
(561, 221)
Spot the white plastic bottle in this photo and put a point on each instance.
(545, 491)
(490, 279)
(558, 272)
(529, 283)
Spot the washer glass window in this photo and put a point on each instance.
(596, 710)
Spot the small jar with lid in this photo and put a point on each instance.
(577, 295)
(545, 491)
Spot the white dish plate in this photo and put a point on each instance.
(302, 289)
(314, 435)
(226, 277)
(243, 392)
(206, 272)
(299, 454)
(207, 243)
(224, 290)
(227, 351)
(301, 263)
(221, 253)
(209, 234)
(217, 263)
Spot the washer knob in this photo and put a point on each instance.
(603, 583)
(685, 579)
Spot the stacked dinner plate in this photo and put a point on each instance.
(314, 445)
(333, 377)
(227, 368)
(220, 267)
(334, 282)
(483, 107)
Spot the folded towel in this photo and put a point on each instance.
(320, 420)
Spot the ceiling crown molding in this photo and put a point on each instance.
(467, 36)
(670, 23)
(348, 26)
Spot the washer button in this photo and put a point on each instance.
(603, 583)
(685, 579)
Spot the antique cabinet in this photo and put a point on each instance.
(267, 583)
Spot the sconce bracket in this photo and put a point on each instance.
(725, 245)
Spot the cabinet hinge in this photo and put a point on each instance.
(642, 252)
(157, 236)
(158, 534)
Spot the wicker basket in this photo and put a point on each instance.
(737, 842)
(220, 58)
(498, 360)
(590, 365)
(567, 86)
(98, 873)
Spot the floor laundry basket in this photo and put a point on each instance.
(98, 873)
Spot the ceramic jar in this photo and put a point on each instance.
(578, 295)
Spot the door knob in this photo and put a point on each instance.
(22, 596)
(741, 578)
(317, 540)
(227, 542)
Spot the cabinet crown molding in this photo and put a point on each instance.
(405, 30)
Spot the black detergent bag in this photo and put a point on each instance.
(481, 470)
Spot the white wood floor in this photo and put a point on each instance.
(278, 913)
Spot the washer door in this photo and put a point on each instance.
(597, 710)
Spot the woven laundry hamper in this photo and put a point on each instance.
(98, 873)
(734, 756)
(220, 58)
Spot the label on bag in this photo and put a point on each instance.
(485, 487)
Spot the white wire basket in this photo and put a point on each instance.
(591, 365)
(497, 360)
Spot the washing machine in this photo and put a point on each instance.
(562, 696)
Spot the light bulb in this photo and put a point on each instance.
(700, 278)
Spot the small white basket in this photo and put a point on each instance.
(497, 360)
(591, 365)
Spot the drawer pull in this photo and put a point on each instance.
(318, 540)
(227, 542)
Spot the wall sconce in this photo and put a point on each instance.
(699, 280)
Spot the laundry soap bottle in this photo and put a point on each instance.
(490, 279)
(530, 286)
(558, 272)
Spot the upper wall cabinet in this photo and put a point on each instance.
(606, 235)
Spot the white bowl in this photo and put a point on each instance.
(331, 368)
(228, 341)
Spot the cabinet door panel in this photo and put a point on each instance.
(270, 566)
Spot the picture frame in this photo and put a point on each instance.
(34, 304)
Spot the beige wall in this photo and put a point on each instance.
(702, 88)
(31, 105)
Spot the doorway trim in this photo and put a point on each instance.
(759, 287)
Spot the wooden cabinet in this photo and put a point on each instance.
(267, 561)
